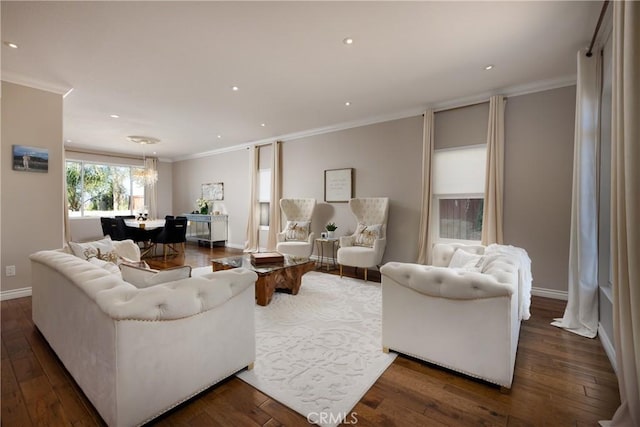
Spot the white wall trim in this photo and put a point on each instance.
(18, 79)
(550, 293)
(524, 89)
(15, 293)
(608, 346)
(234, 246)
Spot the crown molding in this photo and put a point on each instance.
(524, 89)
(511, 91)
(19, 79)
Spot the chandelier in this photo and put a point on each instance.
(146, 175)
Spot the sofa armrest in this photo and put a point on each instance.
(281, 237)
(449, 283)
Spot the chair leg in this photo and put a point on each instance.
(365, 274)
(164, 252)
(340, 270)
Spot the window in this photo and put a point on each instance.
(264, 196)
(458, 188)
(460, 218)
(95, 189)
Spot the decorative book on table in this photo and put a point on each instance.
(266, 258)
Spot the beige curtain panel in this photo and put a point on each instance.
(276, 194)
(625, 208)
(581, 314)
(253, 222)
(494, 181)
(428, 143)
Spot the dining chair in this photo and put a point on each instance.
(173, 236)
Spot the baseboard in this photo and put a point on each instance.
(234, 246)
(15, 293)
(608, 346)
(550, 293)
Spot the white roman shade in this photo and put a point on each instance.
(459, 170)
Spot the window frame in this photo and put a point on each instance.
(82, 164)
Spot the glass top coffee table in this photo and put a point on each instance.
(286, 275)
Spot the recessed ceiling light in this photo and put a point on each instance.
(114, 116)
(348, 40)
(263, 124)
(219, 136)
(347, 103)
(235, 88)
(488, 67)
(11, 45)
(68, 140)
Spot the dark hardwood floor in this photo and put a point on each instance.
(561, 379)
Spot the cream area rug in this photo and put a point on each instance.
(319, 352)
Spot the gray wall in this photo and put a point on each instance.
(387, 162)
(539, 131)
(32, 203)
(232, 169)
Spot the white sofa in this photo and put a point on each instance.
(467, 320)
(137, 353)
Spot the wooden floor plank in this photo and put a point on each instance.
(561, 379)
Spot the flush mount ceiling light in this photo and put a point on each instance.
(146, 175)
(114, 116)
(488, 67)
(11, 45)
(347, 41)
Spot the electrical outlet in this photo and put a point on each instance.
(11, 270)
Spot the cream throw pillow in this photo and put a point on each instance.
(102, 249)
(297, 230)
(465, 260)
(143, 278)
(366, 235)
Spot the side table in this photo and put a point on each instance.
(334, 243)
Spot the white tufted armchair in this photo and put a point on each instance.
(297, 238)
(365, 247)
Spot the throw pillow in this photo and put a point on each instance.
(297, 230)
(366, 235)
(465, 260)
(106, 265)
(103, 247)
(143, 278)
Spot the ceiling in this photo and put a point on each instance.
(168, 68)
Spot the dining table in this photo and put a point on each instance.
(146, 229)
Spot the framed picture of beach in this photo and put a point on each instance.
(30, 159)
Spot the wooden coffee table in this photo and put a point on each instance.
(285, 276)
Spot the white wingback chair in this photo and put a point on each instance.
(365, 247)
(297, 238)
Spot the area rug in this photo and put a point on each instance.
(319, 352)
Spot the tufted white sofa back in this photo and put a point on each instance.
(123, 301)
(371, 210)
(298, 209)
(442, 252)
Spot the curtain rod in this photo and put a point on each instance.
(595, 33)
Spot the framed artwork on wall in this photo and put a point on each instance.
(213, 191)
(338, 185)
(30, 159)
